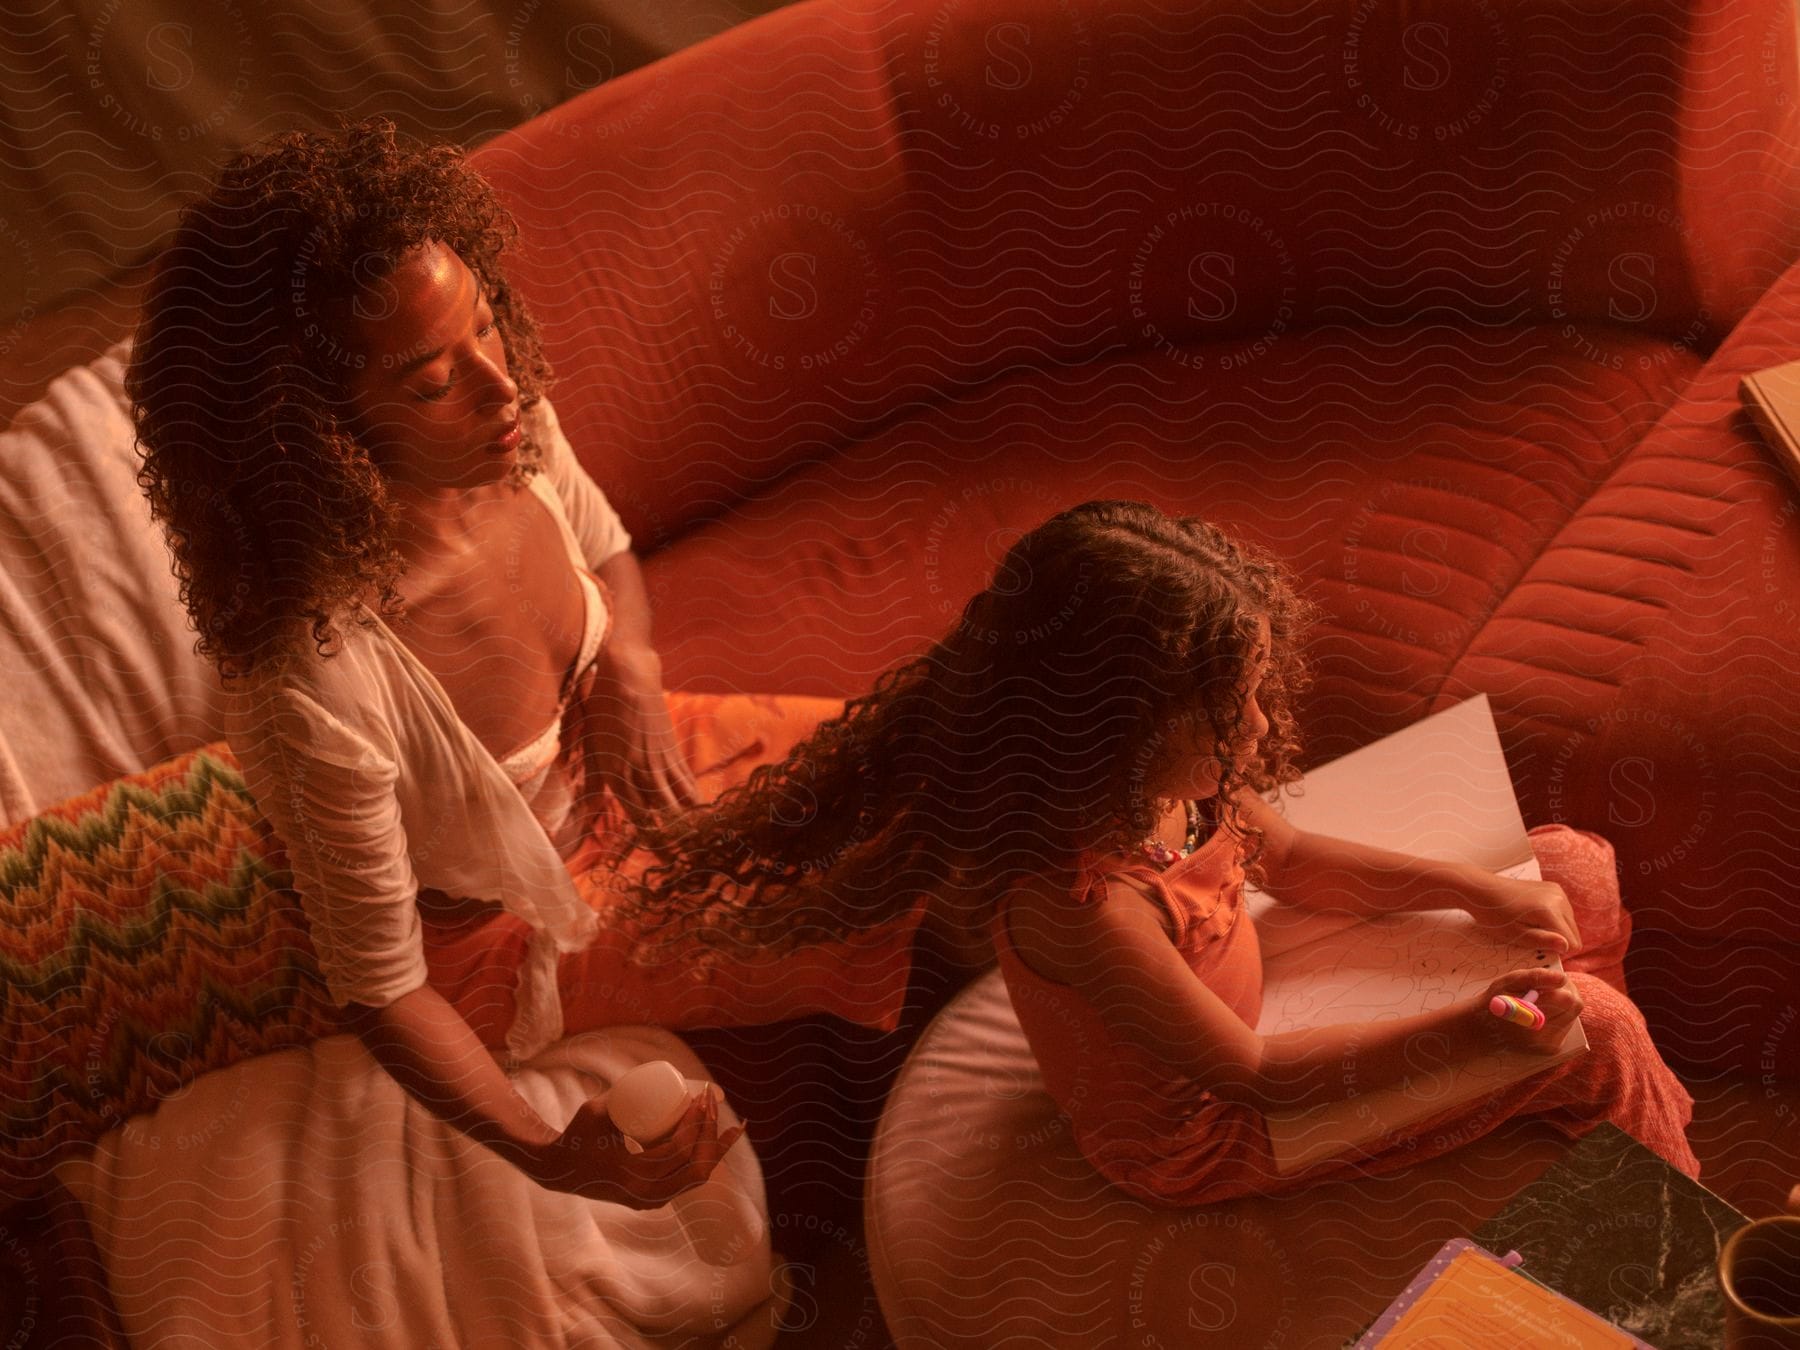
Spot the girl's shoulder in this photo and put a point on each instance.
(1090, 884)
(1059, 928)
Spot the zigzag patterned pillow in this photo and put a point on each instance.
(149, 933)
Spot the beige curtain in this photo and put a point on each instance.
(116, 111)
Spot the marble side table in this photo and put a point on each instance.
(1619, 1231)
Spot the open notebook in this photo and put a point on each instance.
(1438, 789)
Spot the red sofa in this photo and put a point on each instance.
(1448, 307)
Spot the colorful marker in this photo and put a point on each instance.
(1520, 1012)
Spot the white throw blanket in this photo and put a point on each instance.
(101, 674)
(303, 1199)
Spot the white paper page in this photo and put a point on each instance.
(1389, 968)
(1437, 789)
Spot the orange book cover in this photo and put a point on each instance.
(1467, 1298)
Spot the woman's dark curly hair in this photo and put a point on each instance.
(1020, 744)
(238, 376)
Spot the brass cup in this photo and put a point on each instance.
(1759, 1274)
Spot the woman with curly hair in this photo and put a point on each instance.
(1084, 766)
(435, 639)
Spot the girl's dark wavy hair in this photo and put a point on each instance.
(1018, 745)
(275, 515)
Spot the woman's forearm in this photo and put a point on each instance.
(430, 1050)
(630, 600)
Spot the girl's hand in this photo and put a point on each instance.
(1558, 999)
(592, 1161)
(628, 741)
(1528, 913)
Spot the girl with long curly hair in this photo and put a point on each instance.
(1077, 779)
(435, 642)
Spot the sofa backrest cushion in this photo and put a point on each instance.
(764, 245)
(706, 244)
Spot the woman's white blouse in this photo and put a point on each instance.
(377, 788)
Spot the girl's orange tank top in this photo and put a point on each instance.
(1110, 1088)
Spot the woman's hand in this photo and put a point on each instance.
(1528, 913)
(628, 741)
(1558, 999)
(591, 1158)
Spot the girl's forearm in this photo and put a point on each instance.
(1319, 872)
(431, 1052)
(1299, 1069)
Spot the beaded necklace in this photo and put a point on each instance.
(1162, 853)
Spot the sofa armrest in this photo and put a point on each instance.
(1641, 673)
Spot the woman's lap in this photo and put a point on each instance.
(725, 738)
(475, 966)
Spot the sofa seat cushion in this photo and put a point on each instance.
(790, 233)
(1411, 475)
